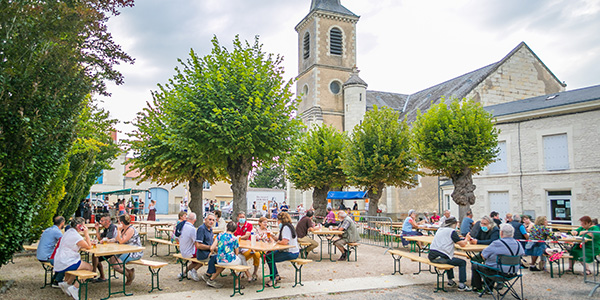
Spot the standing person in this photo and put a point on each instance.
(496, 217)
(409, 227)
(80, 209)
(264, 209)
(87, 210)
(527, 223)
(67, 256)
(355, 206)
(109, 234)
(126, 235)
(350, 234)
(187, 245)
(182, 207)
(442, 252)
(484, 232)
(330, 218)
(274, 210)
(300, 210)
(506, 245)
(254, 211)
(304, 226)
(467, 223)
(212, 206)
(122, 207)
(540, 232)
(47, 243)
(592, 246)
(284, 207)
(152, 211)
(136, 206)
(244, 230)
(287, 236)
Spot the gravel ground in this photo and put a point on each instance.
(372, 262)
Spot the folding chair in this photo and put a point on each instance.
(497, 280)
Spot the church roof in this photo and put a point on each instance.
(331, 6)
(355, 79)
(591, 93)
(391, 100)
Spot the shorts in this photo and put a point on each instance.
(125, 258)
(72, 267)
(340, 242)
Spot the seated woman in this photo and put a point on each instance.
(409, 226)
(221, 224)
(539, 232)
(67, 256)
(330, 219)
(287, 236)
(262, 231)
(227, 247)
(592, 245)
(127, 235)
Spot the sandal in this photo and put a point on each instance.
(98, 280)
(269, 283)
(588, 272)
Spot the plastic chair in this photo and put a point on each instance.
(496, 280)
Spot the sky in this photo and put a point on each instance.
(403, 46)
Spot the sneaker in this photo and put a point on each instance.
(193, 275)
(464, 288)
(534, 269)
(451, 283)
(55, 284)
(205, 277)
(214, 284)
(74, 292)
(64, 287)
(179, 276)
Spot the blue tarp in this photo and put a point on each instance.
(346, 195)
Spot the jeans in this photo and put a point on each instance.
(279, 256)
(476, 280)
(212, 261)
(460, 263)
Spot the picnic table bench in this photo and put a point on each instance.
(184, 263)
(440, 269)
(154, 268)
(83, 277)
(155, 243)
(236, 272)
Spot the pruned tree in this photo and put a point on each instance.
(379, 155)
(316, 163)
(271, 177)
(456, 139)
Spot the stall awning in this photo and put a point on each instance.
(347, 195)
(122, 192)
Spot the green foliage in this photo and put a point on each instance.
(379, 153)
(449, 139)
(232, 108)
(53, 54)
(269, 177)
(317, 159)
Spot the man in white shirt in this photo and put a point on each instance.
(187, 240)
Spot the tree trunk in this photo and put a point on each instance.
(320, 202)
(238, 170)
(463, 194)
(374, 196)
(195, 204)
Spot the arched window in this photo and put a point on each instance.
(306, 45)
(335, 41)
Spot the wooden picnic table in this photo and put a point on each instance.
(426, 239)
(154, 224)
(565, 228)
(327, 235)
(471, 250)
(265, 248)
(110, 249)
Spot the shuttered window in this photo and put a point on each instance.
(335, 41)
(556, 152)
(500, 166)
(306, 45)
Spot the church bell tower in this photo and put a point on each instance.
(326, 58)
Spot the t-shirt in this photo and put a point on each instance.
(435, 218)
(187, 239)
(444, 240)
(302, 227)
(226, 245)
(204, 236)
(286, 233)
(47, 242)
(465, 225)
(242, 229)
(67, 253)
(110, 232)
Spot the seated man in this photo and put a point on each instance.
(304, 226)
(48, 241)
(350, 234)
(484, 232)
(108, 235)
(506, 245)
(187, 240)
(244, 230)
(467, 223)
(204, 240)
(444, 217)
(442, 251)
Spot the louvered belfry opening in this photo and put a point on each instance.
(306, 45)
(335, 41)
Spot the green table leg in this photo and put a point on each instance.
(110, 292)
(154, 274)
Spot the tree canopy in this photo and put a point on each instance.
(53, 55)
(379, 155)
(456, 139)
(317, 163)
(271, 177)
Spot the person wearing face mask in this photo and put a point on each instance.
(484, 232)
(244, 230)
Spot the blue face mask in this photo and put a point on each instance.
(242, 220)
(484, 228)
(280, 225)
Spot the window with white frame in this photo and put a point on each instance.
(206, 185)
(500, 166)
(556, 152)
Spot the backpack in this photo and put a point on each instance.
(178, 228)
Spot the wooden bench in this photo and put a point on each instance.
(184, 263)
(154, 267)
(83, 277)
(440, 269)
(155, 243)
(461, 254)
(303, 246)
(298, 263)
(236, 271)
(143, 237)
(560, 263)
(351, 247)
